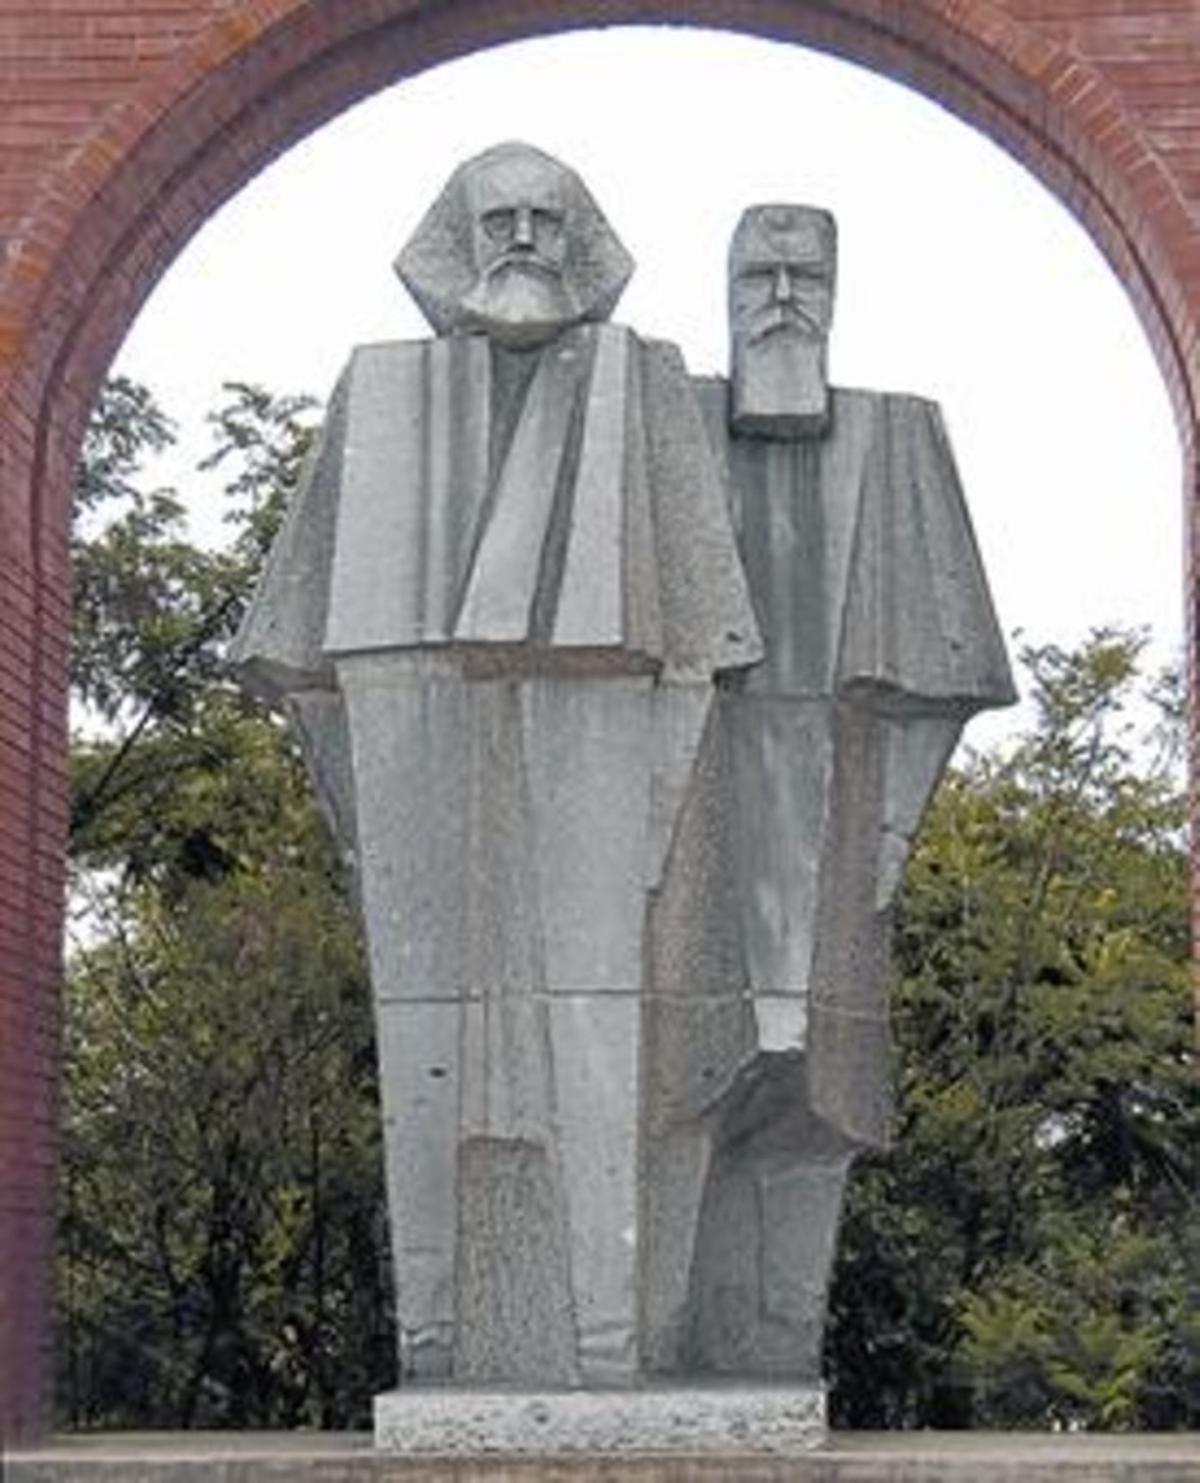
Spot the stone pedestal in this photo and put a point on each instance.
(710, 1420)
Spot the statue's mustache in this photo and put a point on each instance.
(530, 262)
(785, 317)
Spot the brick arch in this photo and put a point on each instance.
(131, 123)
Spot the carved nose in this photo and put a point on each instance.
(523, 229)
(783, 286)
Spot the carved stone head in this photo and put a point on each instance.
(514, 247)
(782, 271)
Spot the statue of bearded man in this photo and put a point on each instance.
(497, 612)
(881, 643)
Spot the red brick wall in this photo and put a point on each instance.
(124, 123)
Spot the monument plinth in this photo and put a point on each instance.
(692, 1420)
(624, 693)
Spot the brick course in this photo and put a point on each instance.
(125, 123)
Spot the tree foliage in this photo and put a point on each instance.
(223, 1228)
(1026, 1254)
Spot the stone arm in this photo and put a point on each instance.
(921, 646)
(917, 750)
(919, 634)
(278, 649)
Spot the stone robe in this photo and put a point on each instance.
(496, 611)
(880, 642)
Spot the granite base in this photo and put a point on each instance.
(708, 1420)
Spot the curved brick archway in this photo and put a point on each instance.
(127, 122)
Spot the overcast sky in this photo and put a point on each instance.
(960, 278)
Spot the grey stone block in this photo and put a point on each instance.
(515, 1318)
(697, 1420)
(595, 1048)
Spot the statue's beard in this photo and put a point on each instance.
(521, 302)
(779, 385)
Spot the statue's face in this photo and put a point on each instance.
(515, 248)
(520, 222)
(782, 266)
(782, 280)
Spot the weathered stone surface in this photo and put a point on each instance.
(697, 1420)
(624, 694)
(514, 1314)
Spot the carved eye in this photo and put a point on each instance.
(499, 224)
(752, 285)
(547, 223)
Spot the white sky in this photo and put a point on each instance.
(960, 278)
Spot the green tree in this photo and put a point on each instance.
(1026, 1255)
(223, 1227)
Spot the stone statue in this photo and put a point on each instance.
(624, 693)
(496, 612)
(880, 643)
